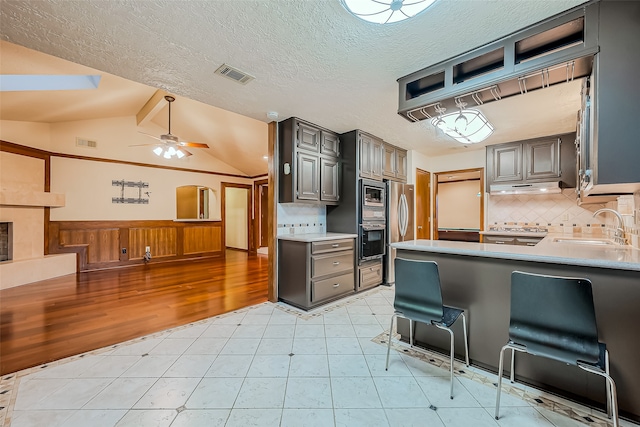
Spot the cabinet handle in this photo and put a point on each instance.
(336, 285)
(531, 244)
(336, 262)
(499, 242)
(335, 245)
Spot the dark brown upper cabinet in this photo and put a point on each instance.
(557, 50)
(550, 158)
(309, 165)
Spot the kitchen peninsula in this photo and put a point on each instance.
(476, 277)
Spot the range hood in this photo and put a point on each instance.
(529, 188)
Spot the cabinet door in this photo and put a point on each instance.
(365, 156)
(329, 180)
(377, 154)
(401, 165)
(389, 161)
(330, 144)
(543, 159)
(307, 180)
(507, 163)
(307, 137)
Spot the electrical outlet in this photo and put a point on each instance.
(147, 249)
(124, 251)
(565, 216)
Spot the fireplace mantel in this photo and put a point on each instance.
(31, 198)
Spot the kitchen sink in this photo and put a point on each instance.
(580, 241)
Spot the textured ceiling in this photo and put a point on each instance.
(311, 59)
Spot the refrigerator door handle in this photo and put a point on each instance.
(402, 217)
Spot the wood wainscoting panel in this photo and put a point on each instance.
(161, 240)
(103, 245)
(110, 244)
(202, 239)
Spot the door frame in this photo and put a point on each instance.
(257, 212)
(223, 208)
(428, 200)
(435, 197)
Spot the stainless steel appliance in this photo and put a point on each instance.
(372, 240)
(400, 200)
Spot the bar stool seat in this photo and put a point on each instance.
(554, 317)
(418, 297)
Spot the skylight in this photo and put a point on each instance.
(386, 11)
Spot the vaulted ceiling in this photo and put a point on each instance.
(311, 59)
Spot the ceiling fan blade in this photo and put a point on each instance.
(144, 145)
(152, 136)
(193, 144)
(186, 153)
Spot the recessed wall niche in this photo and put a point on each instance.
(194, 202)
(6, 241)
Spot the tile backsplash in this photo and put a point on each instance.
(298, 218)
(559, 213)
(552, 210)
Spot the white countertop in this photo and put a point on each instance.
(316, 237)
(515, 233)
(616, 257)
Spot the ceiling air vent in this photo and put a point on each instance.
(234, 74)
(80, 142)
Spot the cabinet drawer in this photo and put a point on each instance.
(327, 288)
(328, 264)
(528, 241)
(370, 276)
(331, 246)
(500, 240)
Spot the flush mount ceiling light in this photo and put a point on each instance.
(465, 126)
(385, 11)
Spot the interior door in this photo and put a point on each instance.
(264, 216)
(423, 204)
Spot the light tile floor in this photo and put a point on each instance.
(271, 365)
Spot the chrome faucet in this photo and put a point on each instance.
(618, 236)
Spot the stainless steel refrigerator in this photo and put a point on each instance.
(400, 224)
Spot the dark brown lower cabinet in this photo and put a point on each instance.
(312, 273)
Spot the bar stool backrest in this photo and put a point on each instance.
(418, 295)
(554, 317)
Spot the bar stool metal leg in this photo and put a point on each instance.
(500, 368)
(410, 333)
(606, 369)
(389, 344)
(466, 340)
(513, 366)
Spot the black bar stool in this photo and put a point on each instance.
(418, 297)
(554, 317)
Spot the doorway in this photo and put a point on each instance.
(423, 204)
(261, 216)
(235, 207)
(459, 205)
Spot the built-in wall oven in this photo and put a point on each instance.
(372, 240)
(372, 231)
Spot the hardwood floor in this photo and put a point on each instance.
(57, 318)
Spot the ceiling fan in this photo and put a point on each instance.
(170, 145)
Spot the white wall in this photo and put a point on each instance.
(36, 135)
(236, 218)
(88, 190)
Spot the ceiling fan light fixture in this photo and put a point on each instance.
(166, 155)
(385, 11)
(179, 153)
(158, 151)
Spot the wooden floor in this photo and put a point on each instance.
(56, 318)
